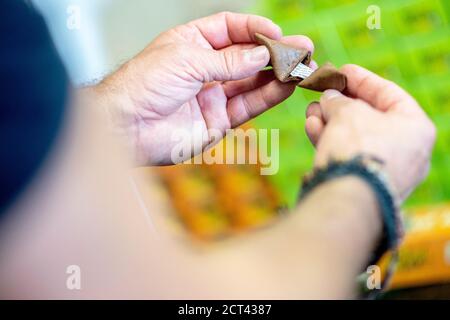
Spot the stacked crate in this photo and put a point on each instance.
(412, 48)
(214, 201)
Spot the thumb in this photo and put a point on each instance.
(232, 64)
(333, 102)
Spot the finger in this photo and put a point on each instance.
(332, 102)
(299, 41)
(226, 28)
(240, 46)
(314, 127)
(234, 88)
(248, 105)
(210, 65)
(314, 110)
(213, 103)
(382, 94)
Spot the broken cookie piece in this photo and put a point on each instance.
(325, 77)
(285, 59)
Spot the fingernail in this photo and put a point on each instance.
(331, 94)
(257, 54)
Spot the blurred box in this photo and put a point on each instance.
(426, 55)
(419, 17)
(327, 4)
(355, 35)
(287, 9)
(382, 61)
(424, 256)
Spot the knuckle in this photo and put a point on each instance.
(182, 52)
(343, 111)
(176, 50)
(349, 68)
(431, 130)
(247, 106)
(311, 109)
(228, 62)
(186, 60)
(427, 128)
(223, 14)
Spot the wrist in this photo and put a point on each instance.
(340, 220)
(351, 202)
(115, 112)
(370, 170)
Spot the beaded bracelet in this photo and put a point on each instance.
(370, 170)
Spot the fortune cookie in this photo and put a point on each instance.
(284, 58)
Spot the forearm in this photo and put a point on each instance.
(114, 107)
(317, 252)
(340, 224)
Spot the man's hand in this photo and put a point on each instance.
(206, 73)
(380, 119)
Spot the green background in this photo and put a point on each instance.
(412, 48)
